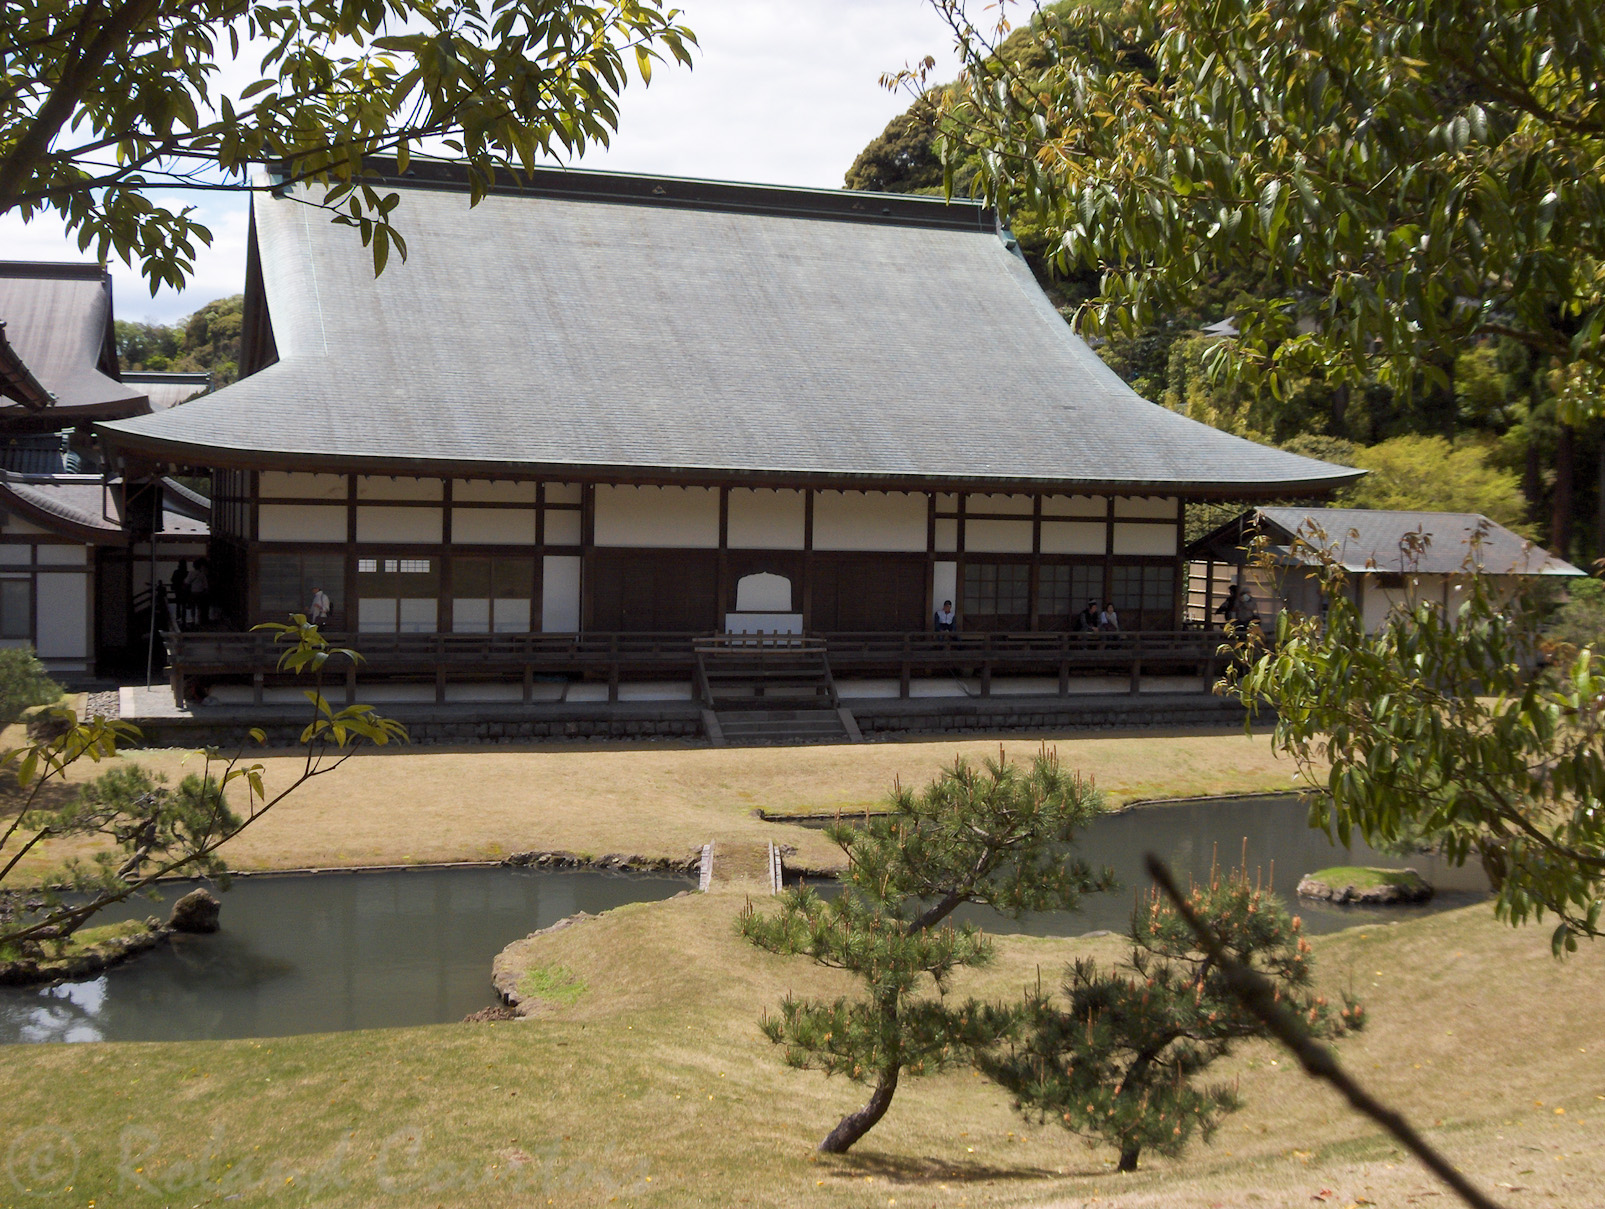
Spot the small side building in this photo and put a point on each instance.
(1391, 558)
(80, 548)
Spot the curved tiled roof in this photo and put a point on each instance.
(58, 321)
(610, 325)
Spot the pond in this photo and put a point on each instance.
(1281, 848)
(318, 953)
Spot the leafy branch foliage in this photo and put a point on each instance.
(996, 835)
(1119, 1056)
(154, 831)
(1438, 726)
(105, 100)
(1408, 177)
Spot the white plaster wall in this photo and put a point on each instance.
(947, 535)
(11, 555)
(1146, 505)
(63, 556)
(1073, 505)
(281, 483)
(562, 528)
(417, 614)
(492, 491)
(493, 526)
(875, 520)
(1018, 505)
(510, 615)
(1073, 537)
(766, 520)
(662, 517)
(421, 525)
(383, 487)
(300, 523)
(376, 615)
(13, 525)
(560, 594)
(61, 623)
(944, 584)
(470, 615)
(562, 493)
(1145, 539)
(997, 537)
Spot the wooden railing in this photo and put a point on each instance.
(673, 656)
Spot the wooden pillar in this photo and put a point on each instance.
(722, 602)
(587, 554)
(1035, 586)
(808, 560)
(930, 574)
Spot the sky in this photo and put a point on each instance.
(782, 92)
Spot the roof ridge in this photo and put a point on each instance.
(694, 193)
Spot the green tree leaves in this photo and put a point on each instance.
(107, 99)
(1438, 726)
(1422, 174)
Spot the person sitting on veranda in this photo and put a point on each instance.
(1086, 621)
(1109, 620)
(947, 622)
(1227, 609)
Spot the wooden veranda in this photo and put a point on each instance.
(200, 658)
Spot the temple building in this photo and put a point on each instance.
(598, 403)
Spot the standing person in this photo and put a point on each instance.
(1109, 620)
(200, 593)
(946, 618)
(179, 592)
(319, 610)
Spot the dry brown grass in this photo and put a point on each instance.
(656, 1088)
(431, 804)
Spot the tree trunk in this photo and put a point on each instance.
(856, 1124)
(1599, 503)
(1560, 529)
(1128, 1156)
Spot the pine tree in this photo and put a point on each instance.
(1119, 1057)
(997, 835)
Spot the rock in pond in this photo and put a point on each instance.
(1372, 887)
(197, 911)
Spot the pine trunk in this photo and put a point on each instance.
(1128, 1157)
(856, 1124)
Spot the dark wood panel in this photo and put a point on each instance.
(639, 591)
(868, 592)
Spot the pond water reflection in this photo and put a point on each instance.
(317, 953)
(1281, 848)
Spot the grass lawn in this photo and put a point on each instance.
(665, 800)
(647, 1083)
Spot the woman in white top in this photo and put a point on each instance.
(1109, 619)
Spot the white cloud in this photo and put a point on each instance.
(783, 92)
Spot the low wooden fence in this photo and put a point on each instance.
(196, 657)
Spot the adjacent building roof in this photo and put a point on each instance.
(602, 325)
(1366, 540)
(59, 337)
(87, 508)
(168, 388)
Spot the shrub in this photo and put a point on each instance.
(23, 683)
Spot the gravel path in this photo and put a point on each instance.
(102, 704)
